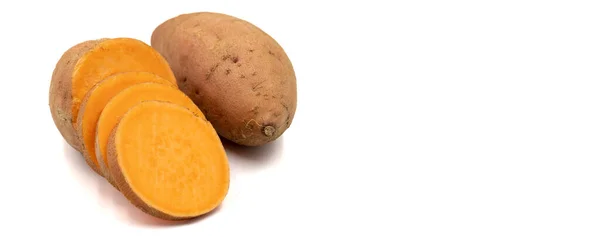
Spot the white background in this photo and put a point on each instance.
(415, 118)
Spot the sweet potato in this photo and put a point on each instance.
(95, 100)
(237, 74)
(87, 63)
(122, 102)
(167, 161)
(61, 91)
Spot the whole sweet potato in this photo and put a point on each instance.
(237, 74)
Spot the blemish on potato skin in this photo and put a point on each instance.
(257, 86)
(184, 79)
(253, 74)
(239, 64)
(242, 76)
(275, 56)
(250, 125)
(227, 71)
(234, 59)
(212, 70)
(62, 115)
(197, 91)
(269, 130)
(251, 50)
(287, 110)
(285, 107)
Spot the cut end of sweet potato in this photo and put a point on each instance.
(113, 56)
(122, 102)
(168, 162)
(60, 95)
(97, 98)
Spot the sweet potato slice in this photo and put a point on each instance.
(87, 63)
(167, 161)
(94, 102)
(122, 102)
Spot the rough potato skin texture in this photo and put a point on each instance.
(237, 74)
(60, 98)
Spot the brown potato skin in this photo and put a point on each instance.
(238, 75)
(60, 98)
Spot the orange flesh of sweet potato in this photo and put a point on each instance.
(97, 98)
(122, 102)
(167, 161)
(113, 56)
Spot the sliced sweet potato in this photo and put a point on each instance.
(87, 63)
(94, 102)
(167, 161)
(122, 102)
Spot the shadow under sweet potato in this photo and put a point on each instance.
(253, 157)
